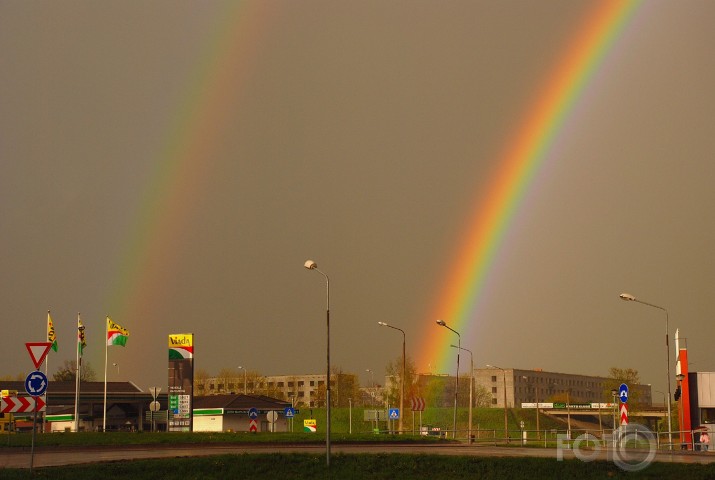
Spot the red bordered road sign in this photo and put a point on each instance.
(22, 404)
(38, 352)
(418, 404)
(624, 414)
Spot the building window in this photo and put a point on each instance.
(301, 394)
(312, 383)
(290, 384)
(494, 378)
(280, 384)
(494, 389)
(494, 401)
(301, 383)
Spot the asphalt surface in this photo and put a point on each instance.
(14, 457)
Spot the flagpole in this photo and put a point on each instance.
(77, 375)
(47, 374)
(106, 349)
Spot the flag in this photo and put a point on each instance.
(81, 343)
(51, 336)
(116, 335)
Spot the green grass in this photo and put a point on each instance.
(146, 438)
(347, 467)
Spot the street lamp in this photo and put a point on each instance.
(471, 388)
(630, 298)
(311, 265)
(614, 394)
(442, 323)
(402, 377)
(245, 379)
(372, 386)
(506, 428)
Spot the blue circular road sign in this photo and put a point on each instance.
(253, 413)
(36, 383)
(623, 393)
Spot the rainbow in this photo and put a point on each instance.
(465, 281)
(183, 161)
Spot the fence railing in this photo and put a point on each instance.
(550, 437)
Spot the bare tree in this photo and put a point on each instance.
(68, 372)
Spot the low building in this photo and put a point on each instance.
(516, 386)
(307, 390)
(127, 406)
(230, 413)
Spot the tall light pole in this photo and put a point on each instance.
(471, 388)
(506, 428)
(614, 394)
(402, 377)
(630, 298)
(311, 265)
(442, 323)
(245, 379)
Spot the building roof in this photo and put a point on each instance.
(55, 388)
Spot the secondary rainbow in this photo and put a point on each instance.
(184, 159)
(526, 152)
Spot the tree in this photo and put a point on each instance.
(201, 378)
(393, 370)
(482, 396)
(629, 376)
(68, 372)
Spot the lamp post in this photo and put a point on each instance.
(471, 389)
(506, 428)
(630, 298)
(568, 414)
(442, 323)
(311, 265)
(679, 377)
(614, 394)
(245, 379)
(402, 376)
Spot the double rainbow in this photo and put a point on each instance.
(526, 153)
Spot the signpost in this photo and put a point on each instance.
(418, 405)
(36, 384)
(272, 416)
(623, 394)
(154, 406)
(252, 423)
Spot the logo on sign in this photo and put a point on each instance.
(310, 425)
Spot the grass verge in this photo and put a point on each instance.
(347, 467)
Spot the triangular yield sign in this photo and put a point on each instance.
(38, 352)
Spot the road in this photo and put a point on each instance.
(55, 456)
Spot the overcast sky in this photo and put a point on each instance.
(173, 165)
